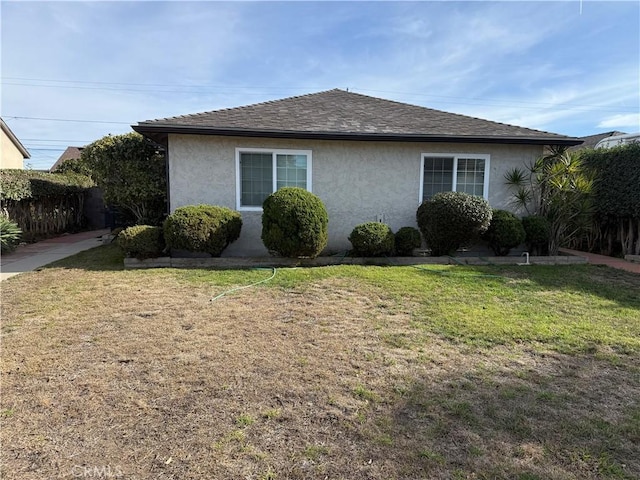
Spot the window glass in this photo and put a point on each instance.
(256, 173)
(263, 172)
(444, 173)
(470, 177)
(438, 176)
(292, 171)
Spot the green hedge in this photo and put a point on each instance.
(43, 204)
(20, 185)
(202, 228)
(616, 188)
(616, 197)
(452, 219)
(537, 232)
(294, 223)
(372, 239)
(141, 241)
(504, 233)
(407, 240)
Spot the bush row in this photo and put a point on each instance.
(195, 228)
(295, 224)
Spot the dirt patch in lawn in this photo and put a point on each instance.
(140, 375)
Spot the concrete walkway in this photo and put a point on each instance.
(612, 262)
(35, 255)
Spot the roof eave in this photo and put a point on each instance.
(159, 133)
(18, 144)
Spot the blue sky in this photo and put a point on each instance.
(566, 67)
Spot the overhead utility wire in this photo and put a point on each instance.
(64, 120)
(191, 87)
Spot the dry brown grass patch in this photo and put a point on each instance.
(141, 373)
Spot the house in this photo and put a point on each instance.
(71, 153)
(12, 152)
(367, 158)
(590, 141)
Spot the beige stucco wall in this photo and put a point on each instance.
(10, 156)
(357, 181)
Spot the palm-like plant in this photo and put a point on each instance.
(557, 187)
(9, 235)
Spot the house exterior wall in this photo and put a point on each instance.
(10, 155)
(357, 181)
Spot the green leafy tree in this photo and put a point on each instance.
(131, 173)
(558, 187)
(74, 165)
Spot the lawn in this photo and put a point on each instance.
(345, 372)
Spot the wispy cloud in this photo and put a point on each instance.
(536, 64)
(630, 120)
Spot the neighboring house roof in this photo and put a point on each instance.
(71, 153)
(5, 128)
(340, 115)
(590, 141)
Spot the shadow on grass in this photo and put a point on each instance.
(103, 258)
(559, 417)
(608, 283)
(614, 285)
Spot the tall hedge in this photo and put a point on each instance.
(294, 223)
(617, 194)
(43, 204)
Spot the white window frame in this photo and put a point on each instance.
(476, 156)
(274, 165)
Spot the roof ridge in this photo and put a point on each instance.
(250, 105)
(346, 113)
(449, 113)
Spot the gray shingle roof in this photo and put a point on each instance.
(339, 114)
(71, 153)
(590, 141)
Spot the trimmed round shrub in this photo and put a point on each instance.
(407, 239)
(372, 239)
(452, 219)
(504, 233)
(10, 235)
(537, 233)
(141, 241)
(202, 228)
(294, 223)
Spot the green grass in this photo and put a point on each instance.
(244, 420)
(570, 309)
